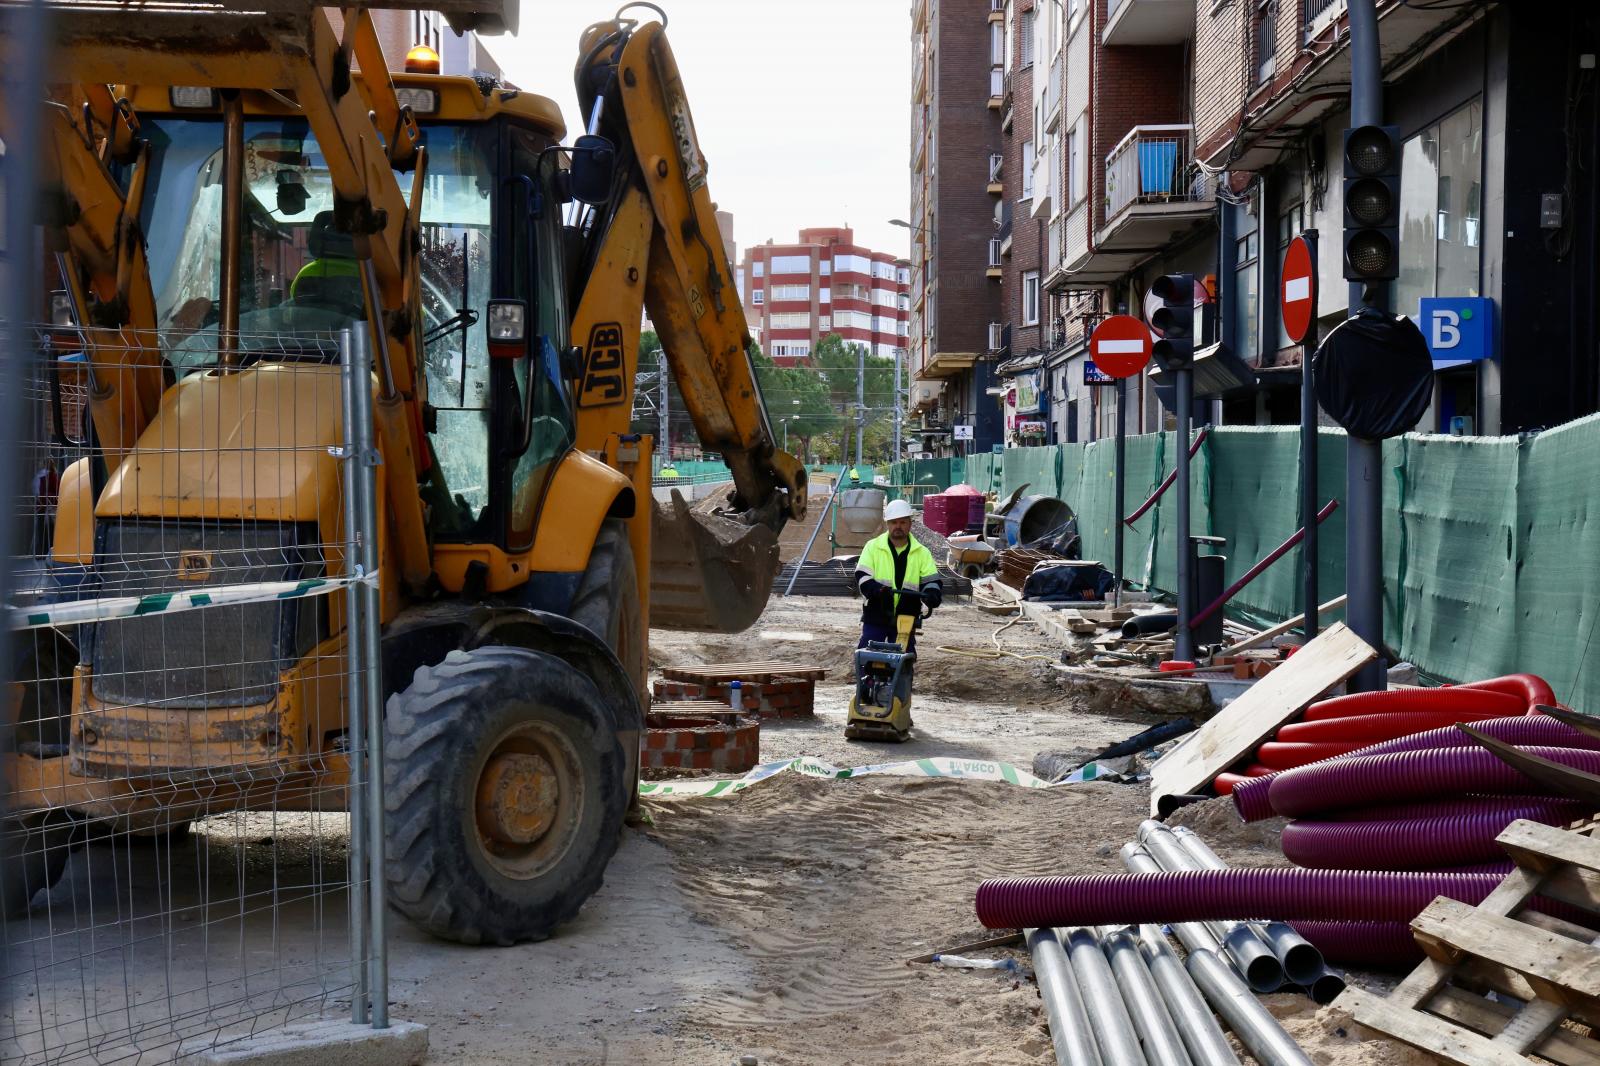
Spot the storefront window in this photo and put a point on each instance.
(1441, 205)
(1246, 252)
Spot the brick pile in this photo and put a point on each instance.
(699, 737)
(764, 699)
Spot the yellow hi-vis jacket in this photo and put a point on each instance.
(877, 564)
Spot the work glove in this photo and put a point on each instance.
(933, 596)
(878, 594)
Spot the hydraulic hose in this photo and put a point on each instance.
(1533, 689)
(1375, 728)
(1455, 700)
(1372, 780)
(1383, 944)
(1415, 843)
(1212, 895)
(1280, 756)
(1250, 798)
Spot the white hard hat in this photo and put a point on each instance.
(896, 509)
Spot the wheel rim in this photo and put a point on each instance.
(527, 801)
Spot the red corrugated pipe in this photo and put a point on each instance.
(1457, 700)
(1373, 728)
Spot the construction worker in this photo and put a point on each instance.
(891, 564)
(331, 279)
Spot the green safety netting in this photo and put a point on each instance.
(1491, 564)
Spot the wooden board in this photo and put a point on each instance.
(1551, 965)
(756, 671)
(1280, 629)
(1333, 657)
(1054, 623)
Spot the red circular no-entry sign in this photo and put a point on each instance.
(1298, 289)
(1120, 346)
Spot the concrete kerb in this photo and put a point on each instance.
(326, 1042)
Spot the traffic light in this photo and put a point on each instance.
(1372, 203)
(1174, 320)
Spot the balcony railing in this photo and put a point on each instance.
(997, 5)
(1051, 98)
(1153, 165)
(997, 162)
(994, 252)
(997, 83)
(1321, 12)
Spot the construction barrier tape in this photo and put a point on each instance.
(109, 608)
(942, 766)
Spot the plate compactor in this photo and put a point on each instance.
(880, 708)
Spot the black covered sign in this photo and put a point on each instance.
(1374, 375)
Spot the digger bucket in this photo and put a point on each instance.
(708, 573)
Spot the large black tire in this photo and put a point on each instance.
(451, 866)
(43, 663)
(33, 854)
(607, 602)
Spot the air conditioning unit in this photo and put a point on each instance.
(996, 336)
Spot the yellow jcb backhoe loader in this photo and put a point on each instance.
(222, 183)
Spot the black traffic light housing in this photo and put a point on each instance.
(1174, 320)
(1371, 203)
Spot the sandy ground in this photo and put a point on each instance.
(775, 923)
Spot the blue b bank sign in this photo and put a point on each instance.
(1459, 329)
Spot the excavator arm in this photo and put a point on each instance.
(653, 243)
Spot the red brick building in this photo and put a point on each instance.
(958, 53)
(796, 294)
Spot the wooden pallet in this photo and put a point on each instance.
(1550, 965)
(713, 673)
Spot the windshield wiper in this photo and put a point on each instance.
(463, 319)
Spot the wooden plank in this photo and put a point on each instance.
(1489, 1016)
(1003, 941)
(1449, 1041)
(1558, 968)
(1280, 629)
(1238, 729)
(744, 672)
(1534, 846)
(1053, 623)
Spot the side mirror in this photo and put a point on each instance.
(594, 164)
(572, 362)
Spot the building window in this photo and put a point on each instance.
(756, 296)
(824, 324)
(1030, 298)
(997, 44)
(1290, 225)
(758, 269)
(1266, 40)
(1245, 255)
(1027, 167)
(791, 292)
(791, 264)
(427, 28)
(789, 320)
(1074, 12)
(1441, 194)
(1075, 176)
(1025, 45)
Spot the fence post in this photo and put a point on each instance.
(354, 381)
(364, 472)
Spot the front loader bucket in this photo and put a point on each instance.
(708, 573)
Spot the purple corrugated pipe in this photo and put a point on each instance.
(1447, 839)
(1208, 895)
(1251, 799)
(1375, 780)
(1383, 944)
(1435, 808)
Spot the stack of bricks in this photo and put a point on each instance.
(699, 736)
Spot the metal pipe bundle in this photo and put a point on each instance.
(1197, 1026)
(1108, 1014)
(1070, 1031)
(1252, 1023)
(1195, 936)
(1250, 953)
(1157, 1032)
(1302, 962)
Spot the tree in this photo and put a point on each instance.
(796, 397)
(842, 365)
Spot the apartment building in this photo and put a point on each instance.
(958, 73)
(1496, 107)
(1019, 242)
(796, 294)
(1203, 135)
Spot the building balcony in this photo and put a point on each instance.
(1154, 195)
(1150, 21)
(1050, 97)
(997, 87)
(1279, 112)
(996, 166)
(947, 364)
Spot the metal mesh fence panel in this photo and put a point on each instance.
(179, 866)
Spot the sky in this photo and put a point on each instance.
(802, 106)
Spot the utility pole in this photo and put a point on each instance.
(1364, 488)
(861, 398)
(898, 453)
(666, 400)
